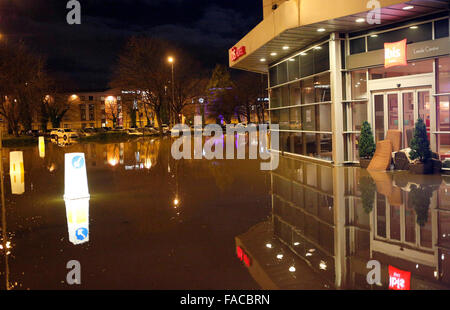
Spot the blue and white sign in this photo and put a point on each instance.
(81, 233)
(78, 162)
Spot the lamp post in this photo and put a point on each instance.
(171, 61)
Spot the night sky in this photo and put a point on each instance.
(86, 54)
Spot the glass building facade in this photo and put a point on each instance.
(320, 95)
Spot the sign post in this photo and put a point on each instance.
(76, 197)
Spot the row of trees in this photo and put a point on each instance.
(144, 71)
(28, 93)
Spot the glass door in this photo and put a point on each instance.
(423, 102)
(408, 117)
(378, 100)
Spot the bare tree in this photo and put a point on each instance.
(22, 85)
(250, 93)
(143, 68)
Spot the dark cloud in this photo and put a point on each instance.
(86, 53)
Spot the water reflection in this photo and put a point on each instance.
(327, 223)
(17, 173)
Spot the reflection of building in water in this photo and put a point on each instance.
(17, 173)
(320, 218)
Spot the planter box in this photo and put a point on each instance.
(364, 163)
(446, 171)
(401, 161)
(421, 168)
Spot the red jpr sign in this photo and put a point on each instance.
(395, 54)
(243, 256)
(399, 279)
(237, 53)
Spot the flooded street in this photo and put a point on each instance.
(157, 223)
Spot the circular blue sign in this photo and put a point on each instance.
(78, 162)
(81, 233)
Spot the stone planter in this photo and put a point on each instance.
(446, 171)
(421, 168)
(401, 161)
(364, 162)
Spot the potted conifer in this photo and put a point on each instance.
(420, 150)
(366, 145)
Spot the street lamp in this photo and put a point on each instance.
(171, 61)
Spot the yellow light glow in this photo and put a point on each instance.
(73, 97)
(17, 173)
(110, 98)
(170, 59)
(41, 147)
(176, 202)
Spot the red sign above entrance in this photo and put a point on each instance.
(399, 279)
(237, 53)
(395, 54)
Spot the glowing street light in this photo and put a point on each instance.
(171, 60)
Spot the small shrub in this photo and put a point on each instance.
(366, 142)
(420, 146)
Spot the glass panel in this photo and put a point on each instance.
(381, 215)
(275, 116)
(324, 117)
(393, 111)
(284, 119)
(273, 76)
(379, 117)
(410, 222)
(282, 73)
(357, 46)
(326, 149)
(321, 58)
(395, 222)
(359, 115)
(359, 84)
(424, 109)
(308, 91)
(322, 88)
(413, 34)
(285, 96)
(294, 68)
(444, 75)
(306, 64)
(444, 145)
(275, 98)
(408, 118)
(311, 144)
(295, 93)
(417, 67)
(295, 120)
(309, 118)
(441, 28)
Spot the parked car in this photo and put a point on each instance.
(33, 133)
(87, 132)
(165, 128)
(65, 134)
(134, 132)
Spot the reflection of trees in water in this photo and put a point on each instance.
(222, 175)
(419, 200)
(367, 188)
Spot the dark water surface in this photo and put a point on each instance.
(158, 223)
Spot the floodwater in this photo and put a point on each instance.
(153, 222)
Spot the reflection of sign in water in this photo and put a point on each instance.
(17, 173)
(399, 279)
(81, 233)
(41, 147)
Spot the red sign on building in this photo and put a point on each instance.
(395, 54)
(237, 53)
(399, 279)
